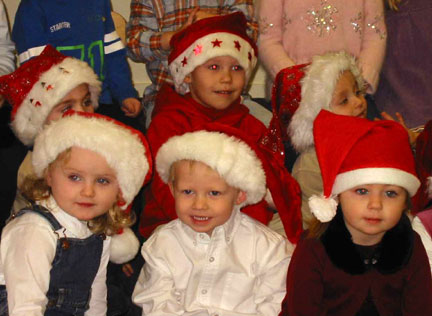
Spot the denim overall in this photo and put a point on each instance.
(73, 270)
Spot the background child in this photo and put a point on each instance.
(213, 259)
(332, 82)
(211, 62)
(292, 32)
(364, 258)
(54, 254)
(405, 85)
(153, 23)
(40, 91)
(84, 30)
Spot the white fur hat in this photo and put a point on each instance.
(223, 35)
(317, 87)
(124, 148)
(38, 85)
(230, 156)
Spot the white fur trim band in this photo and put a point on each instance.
(392, 176)
(123, 151)
(234, 160)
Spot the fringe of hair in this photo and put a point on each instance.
(393, 4)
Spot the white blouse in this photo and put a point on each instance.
(425, 237)
(240, 270)
(28, 246)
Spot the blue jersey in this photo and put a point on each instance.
(83, 29)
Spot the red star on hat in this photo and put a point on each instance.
(217, 43)
(237, 45)
(184, 61)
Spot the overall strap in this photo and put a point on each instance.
(44, 213)
(426, 219)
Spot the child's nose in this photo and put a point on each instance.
(375, 202)
(200, 202)
(226, 76)
(88, 190)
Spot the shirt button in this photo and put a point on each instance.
(211, 259)
(201, 236)
(204, 291)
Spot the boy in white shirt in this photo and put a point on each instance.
(213, 259)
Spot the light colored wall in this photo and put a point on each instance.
(139, 75)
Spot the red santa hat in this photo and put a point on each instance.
(242, 163)
(38, 85)
(353, 151)
(317, 87)
(223, 35)
(124, 148)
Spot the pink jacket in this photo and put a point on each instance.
(304, 28)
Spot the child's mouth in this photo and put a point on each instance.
(200, 218)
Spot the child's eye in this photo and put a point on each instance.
(391, 194)
(237, 68)
(359, 93)
(187, 192)
(87, 102)
(344, 101)
(361, 191)
(213, 67)
(103, 181)
(215, 193)
(65, 108)
(74, 177)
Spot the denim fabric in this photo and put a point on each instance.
(3, 301)
(73, 270)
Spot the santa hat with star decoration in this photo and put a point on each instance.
(223, 35)
(353, 151)
(38, 85)
(125, 149)
(242, 163)
(317, 87)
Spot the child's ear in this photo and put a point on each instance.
(241, 197)
(187, 79)
(171, 187)
(48, 177)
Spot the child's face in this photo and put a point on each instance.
(217, 83)
(348, 99)
(371, 210)
(203, 199)
(83, 185)
(78, 99)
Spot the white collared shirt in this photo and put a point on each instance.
(28, 247)
(240, 270)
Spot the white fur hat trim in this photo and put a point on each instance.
(124, 246)
(244, 55)
(45, 94)
(317, 87)
(123, 151)
(235, 161)
(323, 208)
(392, 176)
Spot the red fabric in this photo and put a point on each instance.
(317, 287)
(423, 159)
(175, 115)
(17, 85)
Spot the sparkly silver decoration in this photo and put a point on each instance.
(321, 21)
(285, 21)
(264, 25)
(356, 23)
(374, 26)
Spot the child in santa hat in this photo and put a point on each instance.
(422, 201)
(55, 253)
(41, 90)
(211, 62)
(360, 257)
(213, 259)
(332, 82)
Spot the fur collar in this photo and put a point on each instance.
(394, 251)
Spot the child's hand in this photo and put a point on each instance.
(131, 107)
(166, 37)
(203, 14)
(127, 270)
(412, 135)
